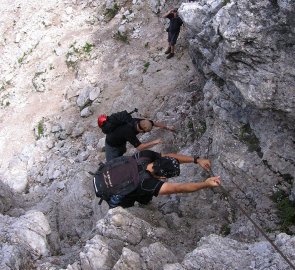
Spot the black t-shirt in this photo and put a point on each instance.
(123, 134)
(175, 23)
(148, 187)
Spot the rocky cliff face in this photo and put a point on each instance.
(229, 91)
(244, 49)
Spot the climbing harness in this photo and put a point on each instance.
(228, 195)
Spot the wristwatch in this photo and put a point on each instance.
(196, 159)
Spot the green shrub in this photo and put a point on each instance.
(248, 137)
(285, 210)
(77, 53)
(145, 67)
(190, 124)
(201, 128)
(111, 12)
(225, 229)
(121, 37)
(21, 59)
(87, 48)
(40, 129)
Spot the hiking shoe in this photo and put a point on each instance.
(168, 50)
(170, 55)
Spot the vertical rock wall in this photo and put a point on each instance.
(109, 55)
(246, 50)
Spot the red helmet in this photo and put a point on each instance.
(101, 119)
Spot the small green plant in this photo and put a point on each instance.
(173, 148)
(146, 45)
(71, 62)
(111, 12)
(145, 67)
(190, 124)
(288, 178)
(285, 210)
(121, 37)
(248, 137)
(87, 48)
(225, 2)
(201, 128)
(225, 229)
(21, 59)
(78, 52)
(40, 129)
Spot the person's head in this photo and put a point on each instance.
(175, 12)
(145, 125)
(166, 167)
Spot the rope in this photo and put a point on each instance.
(227, 194)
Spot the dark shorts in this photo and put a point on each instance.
(113, 152)
(172, 37)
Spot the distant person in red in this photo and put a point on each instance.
(173, 30)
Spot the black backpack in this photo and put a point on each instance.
(120, 176)
(115, 120)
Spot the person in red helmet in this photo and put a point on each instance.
(116, 141)
(101, 119)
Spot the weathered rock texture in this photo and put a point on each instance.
(244, 49)
(229, 91)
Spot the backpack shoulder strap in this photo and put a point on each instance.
(142, 162)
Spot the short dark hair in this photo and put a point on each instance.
(167, 167)
(145, 125)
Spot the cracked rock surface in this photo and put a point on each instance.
(229, 91)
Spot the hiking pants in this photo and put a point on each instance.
(113, 152)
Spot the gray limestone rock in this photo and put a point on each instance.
(97, 255)
(25, 240)
(77, 131)
(215, 252)
(157, 255)
(237, 46)
(120, 224)
(86, 112)
(236, 108)
(128, 260)
(83, 99)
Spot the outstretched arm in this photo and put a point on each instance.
(147, 145)
(161, 125)
(167, 13)
(172, 188)
(204, 163)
